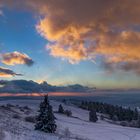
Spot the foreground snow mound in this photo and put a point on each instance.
(15, 125)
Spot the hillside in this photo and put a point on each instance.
(77, 127)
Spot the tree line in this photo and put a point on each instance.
(113, 111)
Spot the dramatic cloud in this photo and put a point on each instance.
(4, 72)
(16, 58)
(84, 29)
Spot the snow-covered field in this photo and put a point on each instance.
(14, 127)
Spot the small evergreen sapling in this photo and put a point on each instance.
(93, 116)
(61, 109)
(45, 119)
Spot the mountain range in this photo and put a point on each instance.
(24, 86)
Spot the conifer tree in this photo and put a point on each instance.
(138, 122)
(61, 109)
(93, 116)
(136, 114)
(45, 119)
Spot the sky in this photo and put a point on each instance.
(94, 42)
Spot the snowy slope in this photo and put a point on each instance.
(79, 126)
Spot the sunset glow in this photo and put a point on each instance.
(43, 94)
(94, 43)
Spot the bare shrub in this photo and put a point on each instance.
(26, 108)
(16, 116)
(10, 105)
(68, 113)
(124, 123)
(21, 109)
(2, 106)
(6, 107)
(31, 119)
(133, 123)
(27, 112)
(115, 118)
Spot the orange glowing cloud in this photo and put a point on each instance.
(73, 54)
(5, 75)
(16, 58)
(91, 29)
(84, 29)
(125, 47)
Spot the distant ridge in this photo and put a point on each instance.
(24, 86)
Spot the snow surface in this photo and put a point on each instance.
(79, 126)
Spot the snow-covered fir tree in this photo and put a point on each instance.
(45, 120)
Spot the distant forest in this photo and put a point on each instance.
(114, 112)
